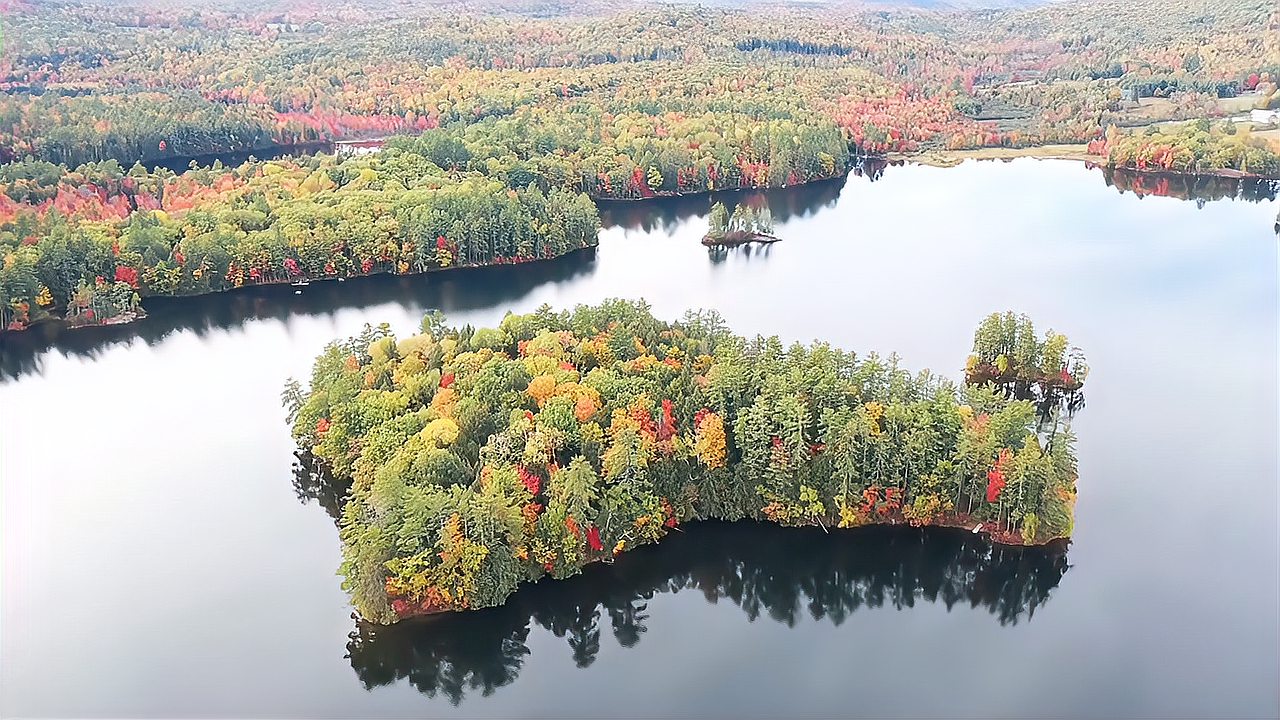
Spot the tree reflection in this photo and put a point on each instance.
(1197, 188)
(463, 289)
(667, 214)
(782, 574)
(312, 483)
(21, 353)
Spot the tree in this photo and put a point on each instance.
(608, 428)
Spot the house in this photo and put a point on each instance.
(1266, 117)
(351, 148)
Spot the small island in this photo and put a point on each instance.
(745, 225)
(475, 460)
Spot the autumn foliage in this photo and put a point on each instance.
(562, 439)
(157, 233)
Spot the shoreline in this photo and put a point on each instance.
(952, 158)
(141, 314)
(677, 194)
(959, 524)
(1062, 151)
(738, 238)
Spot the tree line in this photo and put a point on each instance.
(86, 245)
(1195, 147)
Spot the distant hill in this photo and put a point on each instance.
(958, 4)
(962, 4)
(880, 4)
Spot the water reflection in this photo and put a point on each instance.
(718, 254)
(667, 214)
(463, 289)
(1197, 188)
(232, 159)
(782, 574)
(312, 484)
(20, 353)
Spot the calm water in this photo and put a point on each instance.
(162, 558)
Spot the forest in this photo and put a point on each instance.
(86, 245)
(1198, 147)
(665, 91)
(476, 460)
(504, 118)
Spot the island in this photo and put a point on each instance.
(478, 459)
(745, 225)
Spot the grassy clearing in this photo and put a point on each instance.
(951, 158)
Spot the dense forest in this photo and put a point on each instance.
(133, 81)
(508, 115)
(479, 459)
(1196, 147)
(85, 245)
(771, 89)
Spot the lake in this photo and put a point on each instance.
(163, 556)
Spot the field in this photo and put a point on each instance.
(951, 158)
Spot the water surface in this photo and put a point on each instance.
(162, 559)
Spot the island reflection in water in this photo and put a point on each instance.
(781, 574)
(770, 571)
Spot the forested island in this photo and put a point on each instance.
(745, 225)
(479, 459)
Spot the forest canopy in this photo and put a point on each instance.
(130, 81)
(87, 244)
(501, 119)
(478, 459)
